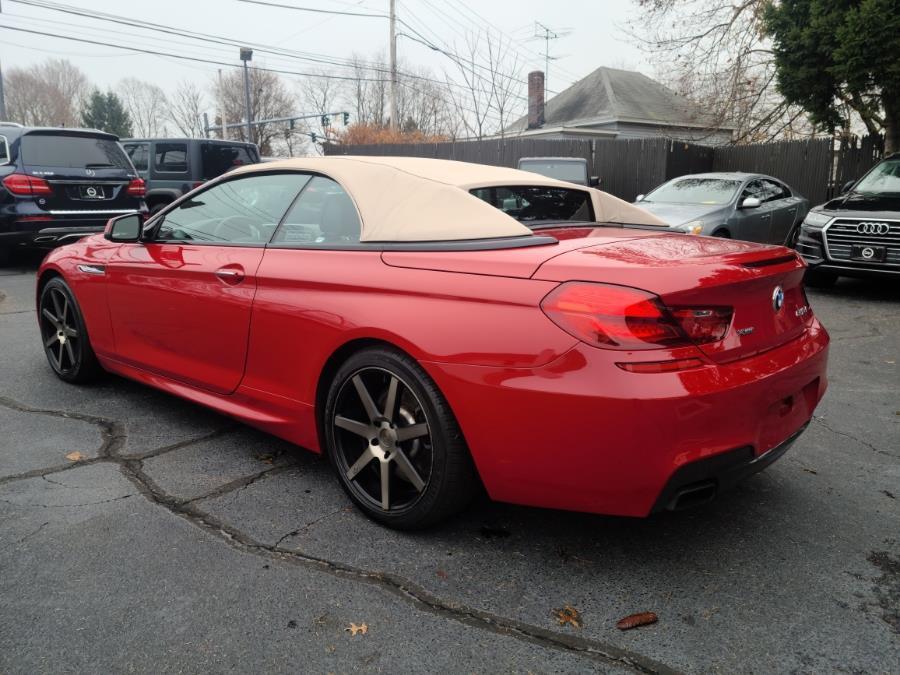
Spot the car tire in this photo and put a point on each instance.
(64, 334)
(819, 278)
(5, 256)
(722, 234)
(156, 208)
(408, 441)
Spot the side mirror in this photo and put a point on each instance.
(594, 181)
(849, 184)
(640, 198)
(750, 203)
(125, 228)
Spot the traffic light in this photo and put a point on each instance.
(313, 137)
(346, 118)
(291, 124)
(325, 121)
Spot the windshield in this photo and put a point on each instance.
(573, 172)
(78, 152)
(695, 191)
(883, 179)
(534, 205)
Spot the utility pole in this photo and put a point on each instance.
(221, 103)
(2, 98)
(246, 56)
(394, 124)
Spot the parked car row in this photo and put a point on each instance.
(857, 234)
(58, 185)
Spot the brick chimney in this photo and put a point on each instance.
(535, 99)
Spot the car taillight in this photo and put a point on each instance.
(23, 184)
(136, 188)
(620, 317)
(613, 317)
(703, 324)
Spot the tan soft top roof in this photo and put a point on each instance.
(418, 199)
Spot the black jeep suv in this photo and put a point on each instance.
(57, 185)
(172, 167)
(858, 233)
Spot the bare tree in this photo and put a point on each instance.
(714, 53)
(269, 97)
(506, 89)
(186, 109)
(367, 93)
(47, 94)
(473, 100)
(146, 105)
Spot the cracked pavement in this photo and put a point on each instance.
(180, 540)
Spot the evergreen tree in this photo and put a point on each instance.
(833, 56)
(106, 113)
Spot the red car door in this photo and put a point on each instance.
(181, 301)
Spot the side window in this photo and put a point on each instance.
(240, 211)
(4, 150)
(754, 189)
(323, 215)
(171, 158)
(138, 153)
(775, 190)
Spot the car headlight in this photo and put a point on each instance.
(815, 219)
(693, 227)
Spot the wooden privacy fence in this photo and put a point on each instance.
(816, 168)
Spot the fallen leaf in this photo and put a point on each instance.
(442, 574)
(353, 628)
(568, 615)
(266, 459)
(635, 620)
(75, 456)
(888, 493)
(292, 624)
(812, 471)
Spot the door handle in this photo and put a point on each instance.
(230, 275)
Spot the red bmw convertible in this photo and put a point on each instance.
(430, 325)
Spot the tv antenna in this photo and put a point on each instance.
(545, 33)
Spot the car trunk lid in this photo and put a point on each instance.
(517, 260)
(762, 284)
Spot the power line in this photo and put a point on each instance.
(230, 42)
(203, 60)
(186, 58)
(315, 9)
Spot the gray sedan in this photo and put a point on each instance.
(736, 205)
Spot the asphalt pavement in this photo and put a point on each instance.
(140, 532)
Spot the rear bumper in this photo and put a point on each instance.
(53, 230)
(581, 434)
(704, 479)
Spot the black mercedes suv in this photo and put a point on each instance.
(858, 233)
(57, 185)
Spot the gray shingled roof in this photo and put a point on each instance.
(612, 95)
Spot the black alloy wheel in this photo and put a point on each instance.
(394, 442)
(64, 334)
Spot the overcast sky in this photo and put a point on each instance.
(591, 34)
